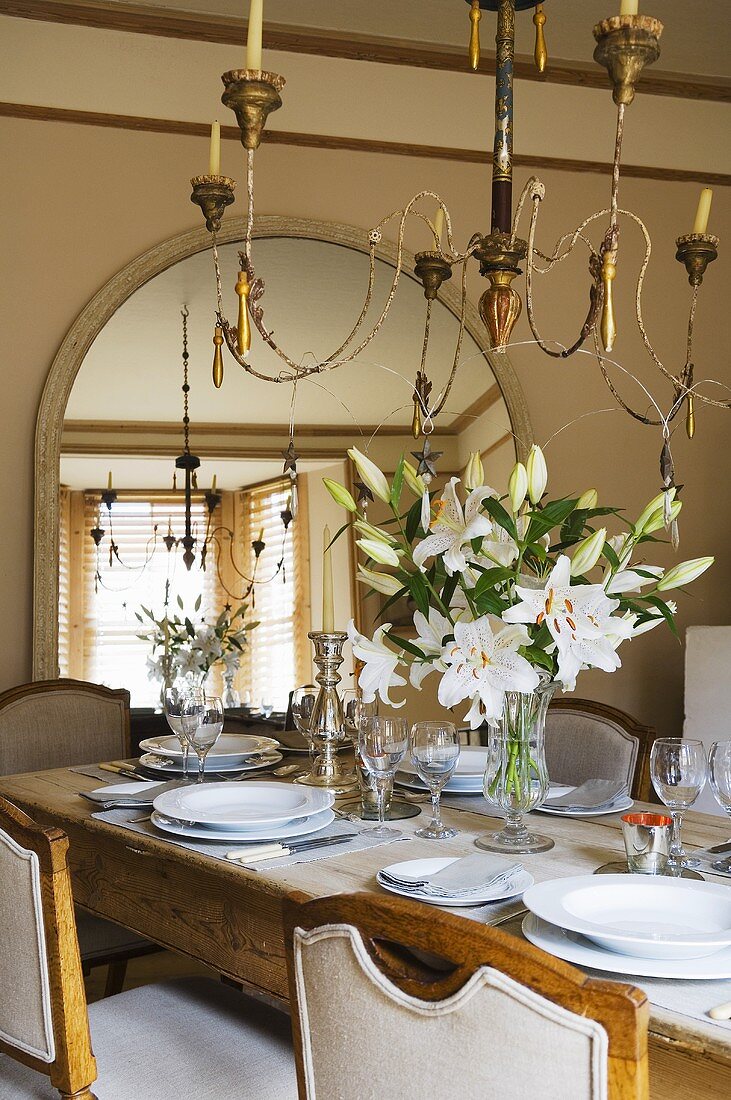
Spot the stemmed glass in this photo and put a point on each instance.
(678, 771)
(719, 768)
(383, 742)
(267, 708)
(354, 711)
(434, 754)
(202, 721)
(174, 699)
(302, 706)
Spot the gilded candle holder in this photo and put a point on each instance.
(252, 94)
(624, 45)
(327, 725)
(213, 194)
(696, 251)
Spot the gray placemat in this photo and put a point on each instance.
(136, 823)
(99, 773)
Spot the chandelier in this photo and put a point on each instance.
(625, 43)
(215, 533)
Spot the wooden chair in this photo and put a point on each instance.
(491, 1017)
(588, 740)
(61, 723)
(178, 1039)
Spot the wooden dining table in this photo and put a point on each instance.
(230, 917)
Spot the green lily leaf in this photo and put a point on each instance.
(404, 644)
(398, 481)
(496, 511)
(413, 520)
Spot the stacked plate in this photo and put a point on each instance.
(484, 877)
(467, 778)
(233, 752)
(252, 811)
(634, 924)
(590, 799)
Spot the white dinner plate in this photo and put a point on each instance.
(640, 915)
(230, 747)
(471, 765)
(234, 806)
(175, 767)
(573, 948)
(301, 826)
(619, 807)
(420, 867)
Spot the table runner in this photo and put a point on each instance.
(135, 822)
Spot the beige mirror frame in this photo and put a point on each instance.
(93, 318)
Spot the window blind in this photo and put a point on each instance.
(112, 653)
(275, 660)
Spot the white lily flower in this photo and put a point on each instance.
(452, 528)
(517, 486)
(412, 479)
(381, 582)
(425, 510)
(578, 618)
(629, 580)
(370, 532)
(588, 552)
(189, 663)
(430, 635)
(475, 474)
(622, 546)
(381, 552)
(379, 672)
(374, 478)
(498, 548)
(684, 573)
(589, 499)
(537, 472)
(482, 665)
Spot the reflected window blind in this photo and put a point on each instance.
(275, 660)
(64, 583)
(112, 653)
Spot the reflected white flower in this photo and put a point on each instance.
(379, 672)
(483, 663)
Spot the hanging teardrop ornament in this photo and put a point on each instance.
(217, 357)
(243, 335)
(540, 54)
(416, 419)
(475, 17)
(608, 327)
(690, 417)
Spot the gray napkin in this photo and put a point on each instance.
(141, 798)
(595, 794)
(470, 875)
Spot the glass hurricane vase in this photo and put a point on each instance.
(516, 777)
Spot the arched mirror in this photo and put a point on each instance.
(119, 380)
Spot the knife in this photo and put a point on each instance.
(274, 851)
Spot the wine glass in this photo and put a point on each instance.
(434, 754)
(174, 698)
(266, 707)
(678, 771)
(719, 770)
(202, 720)
(302, 707)
(354, 711)
(383, 742)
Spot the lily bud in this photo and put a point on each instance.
(518, 486)
(651, 508)
(340, 494)
(587, 552)
(381, 582)
(379, 551)
(657, 519)
(370, 532)
(589, 499)
(684, 573)
(475, 473)
(374, 478)
(412, 479)
(537, 474)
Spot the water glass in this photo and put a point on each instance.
(354, 711)
(647, 839)
(202, 721)
(383, 742)
(719, 769)
(174, 698)
(434, 754)
(678, 771)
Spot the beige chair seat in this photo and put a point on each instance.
(192, 1039)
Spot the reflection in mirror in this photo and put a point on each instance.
(129, 610)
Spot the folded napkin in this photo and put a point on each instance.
(143, 797)
(595, 794)
(471, 875)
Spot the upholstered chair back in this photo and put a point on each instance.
(43, 1017)
(587, 740)
(501, 1020)
(59, 723)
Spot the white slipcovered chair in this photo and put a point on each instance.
(481, 1016)
(190, 1038)
(62, 723)
(589, 740)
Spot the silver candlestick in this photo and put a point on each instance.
(327, 725)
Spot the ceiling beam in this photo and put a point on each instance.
(357, 145)
(169, 23)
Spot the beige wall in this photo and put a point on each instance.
(80, 202)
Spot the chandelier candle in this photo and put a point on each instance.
(700, 225)
(629, 7)
(253, 40)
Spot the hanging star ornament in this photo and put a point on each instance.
(364, 494)
(290, 458)
(427, 459)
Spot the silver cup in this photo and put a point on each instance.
(647, 840)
